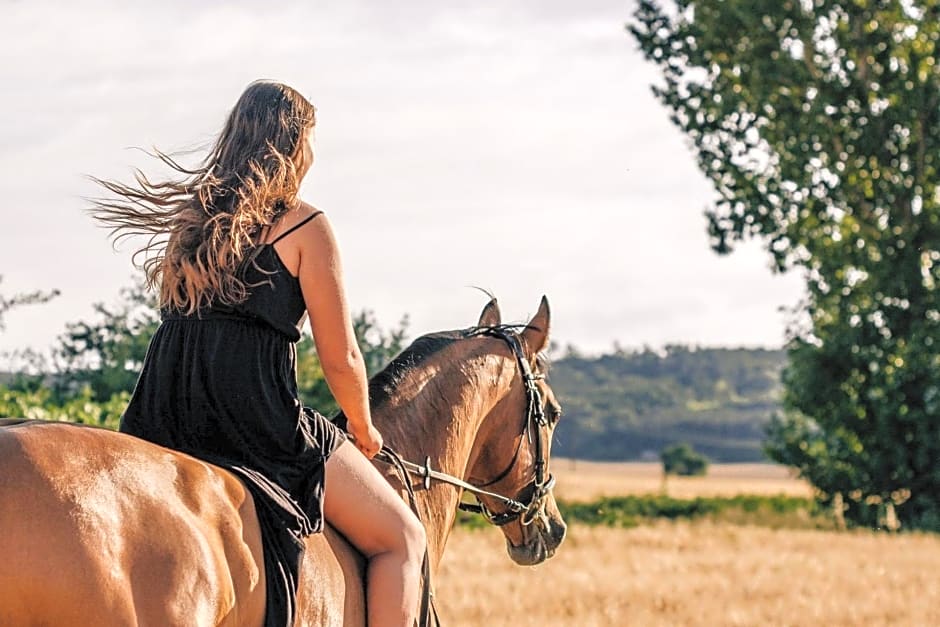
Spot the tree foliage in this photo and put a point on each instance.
(31, 298)
(378, 347)
(105, 355)
(681, 459)
(818, 122)
(81, 407)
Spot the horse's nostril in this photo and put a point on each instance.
(556, 534)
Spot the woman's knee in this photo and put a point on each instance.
(363, 507)
(414, 538)
(406, 538)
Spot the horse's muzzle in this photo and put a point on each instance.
(542, 539)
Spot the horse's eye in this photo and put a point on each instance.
(554, 413)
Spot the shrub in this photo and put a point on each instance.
(681, 459)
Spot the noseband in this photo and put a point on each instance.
(536, 431)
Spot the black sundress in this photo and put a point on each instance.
(222, 386)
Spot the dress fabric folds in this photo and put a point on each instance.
(221, 385)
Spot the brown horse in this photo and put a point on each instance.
(100, 528)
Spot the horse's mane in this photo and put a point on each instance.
(382, 385)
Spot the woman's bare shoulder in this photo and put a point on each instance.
(305, 209)
(297, 218)
(316, 233)
(314, 219)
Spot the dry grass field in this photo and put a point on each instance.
(695, 574)
(692, 573)
(584, 481)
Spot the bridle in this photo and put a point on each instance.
(535, 420)
(542, 482)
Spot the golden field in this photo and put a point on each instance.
(584, 481)
(693, 573)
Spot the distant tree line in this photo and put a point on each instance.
(92, 368)
(618, 406)
(631, 405)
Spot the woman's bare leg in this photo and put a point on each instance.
(360, 504)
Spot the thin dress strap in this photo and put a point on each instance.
(295, 227)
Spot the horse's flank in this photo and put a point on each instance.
(108, 537)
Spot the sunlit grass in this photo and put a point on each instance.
(760, 560)
(700, 573)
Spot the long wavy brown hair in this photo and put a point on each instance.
(204, 226)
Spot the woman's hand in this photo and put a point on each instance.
(367, 440)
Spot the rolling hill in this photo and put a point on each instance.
(629, 405)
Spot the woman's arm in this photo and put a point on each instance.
(321, 281)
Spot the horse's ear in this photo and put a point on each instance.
(536, 332)
(490, 316)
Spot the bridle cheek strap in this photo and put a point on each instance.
(535, 421)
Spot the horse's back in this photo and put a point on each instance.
(102, 528)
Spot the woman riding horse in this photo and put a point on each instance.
(101, 528)
(239, 260)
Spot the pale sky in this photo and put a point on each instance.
(514, 146)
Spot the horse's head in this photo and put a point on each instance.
(511, 454)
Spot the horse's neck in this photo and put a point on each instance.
(438, 414)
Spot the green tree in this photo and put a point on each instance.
(17, 300)
(818, 122)
(682, 459)
(378, 347)
(107, 353)
(38, 404)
